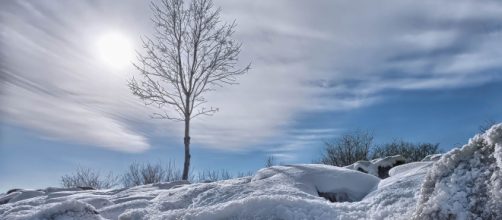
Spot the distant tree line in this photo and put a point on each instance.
(141, 174)
(358, 145)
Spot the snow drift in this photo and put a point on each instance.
(463, 184)
(279, 192)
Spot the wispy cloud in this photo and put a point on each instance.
(307, 57)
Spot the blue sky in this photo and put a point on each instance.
(425, 71)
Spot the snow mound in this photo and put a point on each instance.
(333, 183)
(465, 183)
(378, 167)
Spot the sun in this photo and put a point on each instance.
(115, 49)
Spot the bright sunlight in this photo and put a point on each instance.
(115, 49)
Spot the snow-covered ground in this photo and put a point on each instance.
(462, 184)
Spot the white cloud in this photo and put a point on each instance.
(68, 120)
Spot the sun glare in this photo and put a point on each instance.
(115, 49)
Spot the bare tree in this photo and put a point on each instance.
(190, 53)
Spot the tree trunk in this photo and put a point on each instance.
(186, 166)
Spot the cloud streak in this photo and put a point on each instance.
(307, 58)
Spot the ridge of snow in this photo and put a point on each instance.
(465, 183)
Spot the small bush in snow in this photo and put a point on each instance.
(213, 175)
(358, 146)
(270, 161)
(141, 174)
(243, 174)
(410, 151)
(85, 177)
(486, 125)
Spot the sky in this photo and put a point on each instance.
(421, 71)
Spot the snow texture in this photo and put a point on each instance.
(278, 192)
(465, 183)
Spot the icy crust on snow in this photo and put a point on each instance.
(378, 167)
(465, 183)
(279, 192)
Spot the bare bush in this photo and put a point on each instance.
(141, 174)
(486, 125)
(213, 175)
(88, 178)
(244, 174)
(347, 149)
(410, 151)
(270, 161)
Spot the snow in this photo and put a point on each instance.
(465, 183)
(314, 179)
(378, 167)
(408, 168)
(433, 157)
(461, 184)
(278, 192)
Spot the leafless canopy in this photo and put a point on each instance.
(347, 149)
(190, 53)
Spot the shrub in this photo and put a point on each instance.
(347, 149)
(410, 151)
(88, 178)
(355, 146)
(141, 174)
(213, 175)
(270, 161)
(486, 125)
(243, 174)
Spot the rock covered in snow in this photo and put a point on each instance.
(378, 167)
(432, 157)
(465, 183)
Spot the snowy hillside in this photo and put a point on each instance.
(462, 184)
